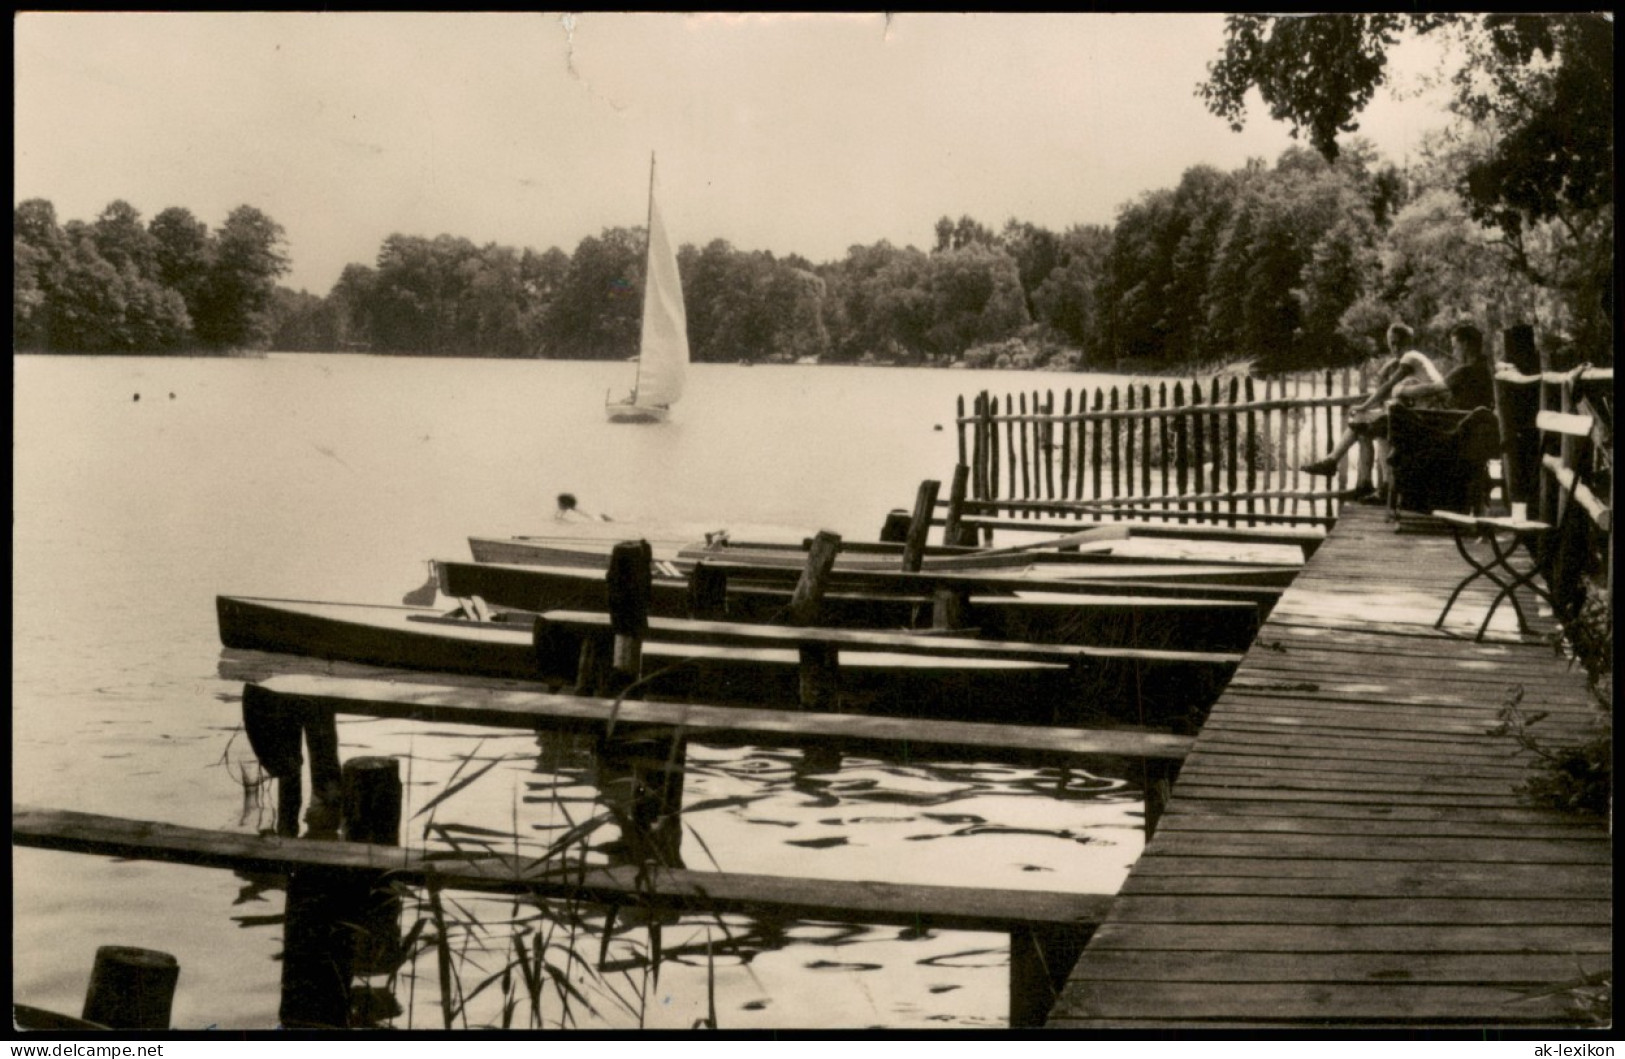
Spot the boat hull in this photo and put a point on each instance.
(636, 413)
(415, 638)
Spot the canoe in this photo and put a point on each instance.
(1109, 617)
(419, 638)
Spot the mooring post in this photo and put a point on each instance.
(952, 531)
(707, 593)
(809, 593)
(630, 571)
(925, 504)
(1159, 774)
(372, 813)
(948, 607)
(274, 732)
(895, 529)
(131, 989)
(820, 677)
(326, 776)
(1041, 957)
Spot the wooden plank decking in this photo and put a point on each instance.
(1344, 845)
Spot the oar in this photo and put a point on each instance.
(1095, 539)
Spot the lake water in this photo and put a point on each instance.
(336, 477)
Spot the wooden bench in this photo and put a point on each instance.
(1047, 929)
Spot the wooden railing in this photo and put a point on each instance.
(1224, 451)
(1557, 436)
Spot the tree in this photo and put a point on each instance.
(1068, 299)
(597, 310)
(1540, 85)
(1316, 72)
(123, 242)
(235, 304)
(1037, 251)
(183, 254)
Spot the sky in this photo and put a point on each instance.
(801, 134)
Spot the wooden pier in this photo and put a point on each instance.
(1345, 845)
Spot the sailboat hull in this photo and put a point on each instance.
(636, 413)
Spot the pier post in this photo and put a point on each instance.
(895, 529)
(630, 571)
(131, 989)
(1040, 960)
(820, 677)
(925, 504)
(952, 532)
(809, 592)
(948, 607)
(372, 813)
(1159, 775)
(707, 593)
(273, 733)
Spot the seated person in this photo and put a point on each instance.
(1470, 383)
(1412, 377)
(1442, 461)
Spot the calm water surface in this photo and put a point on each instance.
(336, 477)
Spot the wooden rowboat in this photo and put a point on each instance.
(417, 638)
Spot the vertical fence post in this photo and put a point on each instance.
(1026, 480)
(1162, 447)
(1049, 445)
(990, 408)
(1010, 442)
(1250, 451)
(1078, 490)
(1331, 433)
(1181, 436)
(1112, 423)
(1232, 456)
(1215, 446)
(1066, 444)
(1198, 445)
(1167, 455)
(1128, 447)
(959, 425)
(1100, 398)
(1314, 437)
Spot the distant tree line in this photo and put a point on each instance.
(116, 285)
(1505, 217)
(1296, 264)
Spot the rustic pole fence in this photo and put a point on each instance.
(1216, 450)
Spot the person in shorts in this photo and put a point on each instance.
(1410, 377)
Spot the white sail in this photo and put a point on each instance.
(663, 351)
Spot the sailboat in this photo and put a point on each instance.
(663, 344)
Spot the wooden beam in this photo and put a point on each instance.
(677, 630)
(1307, 539)
(1600, 513)
(935, 907)
(500, 707)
